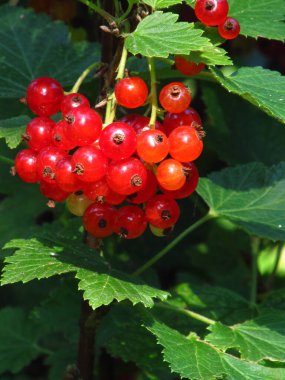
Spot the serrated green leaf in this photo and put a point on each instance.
(257, 339)
(274, 300)
(252, 196)
(12, 130)
(59, 361)
(156, 4)
(57, 251)
(261, 87)
(195, 359)
(160, 34)
(32, 45)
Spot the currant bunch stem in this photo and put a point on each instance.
(153, 93)
(82, 77)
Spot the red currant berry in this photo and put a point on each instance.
(98, 219)
(211, 12)
(152, 146)
(65, 177)
(146, 192)
(229, 29)
(174, 120)
(44, 96)
(131, 92)
(126, 176)
(47, 161)
(100, 191)
(186, 143)
(130, 222)
(161, 232)
(192, 178)
(114, 198)
(175, 97)
(89, 163)
(83, 126)
(26, 166)
(187, 67)
(59, 137)
(170, 174)
(162, 211)
(130, 119)
(38, 133)
(52, 192)
(77, 203)
(72, 101)
(118, 141)
(142, 124)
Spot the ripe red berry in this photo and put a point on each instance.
(39, 133)
(229, 29)
(174, 120)
(83, 126)
(100, 191)
(131, 92)
(152, 146)
(47, 161)
(52, 192)
(130, 222)
(192, 178)
(89, 163)
(185, 143)
(188, 68)
(59, 137)
(26, 166)
(44, 96)
(98, 219)
(130, 118)
(72, 101)
(162, 211)
(65, 176)
(170, 174)
(126, 176)
(146, 192)
(175, 97)
(118, 141)
(211, 12)
(142, 124)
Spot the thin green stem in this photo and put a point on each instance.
(153, 92)
(109, 18)
(125, 15)
(82, 77)
(6, 160)
(254, 271)
(171, 245)
(122, 64)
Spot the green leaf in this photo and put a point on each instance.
(32, 45)
(59, 361)
(57, 251)
(195, 359)
(233, 122)
(257, 339)
(252, 196)
(12, 130)
(274, 300)
(156, 4)
(18, 338)
(261, 87)
(159, 35)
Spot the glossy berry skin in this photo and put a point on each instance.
(211, 12)
(142, 124)
(53, 192)
(59, 137)
(77, 203)
(26, 166)
(89, 163)
(130, 222)
(98, 219)
(175, 97)
(100, 191)
(126, 176)
(44, 96)
(170, 174)
(131, 92)
(192, 179)
(83, 126)
(118, 141)
(185, 144)
(72, 101)
(146, 192)
(130, 118)
(188, 68)
(152, 146)
(65, 176)
(174, 120)
(38, 133)
(229, 29)
(162, 211)
(47, 161)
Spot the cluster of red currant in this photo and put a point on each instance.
(215, 13)
(96, 167)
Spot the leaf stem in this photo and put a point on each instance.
(109, 18)
(6, 160)
(153, 92)
(82, 77)
(125, 15)
(254, 272)
(188, 313)
(171, 245)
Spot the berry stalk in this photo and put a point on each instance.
(153, 93)
(82, 77)
(6, 160)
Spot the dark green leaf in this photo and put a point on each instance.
(12, 130)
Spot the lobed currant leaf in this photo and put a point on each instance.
(13, 129)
